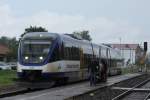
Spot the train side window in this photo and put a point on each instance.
(67, 53)
(78, 54)
(61, 51)
(73, 53)
(55, 55)
(70, 53)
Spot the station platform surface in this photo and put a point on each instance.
(63, 92)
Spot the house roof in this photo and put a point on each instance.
(3, 49)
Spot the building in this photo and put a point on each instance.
(140, 56)
(128, 52)
(4, 50)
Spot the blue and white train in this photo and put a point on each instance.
(46, 57)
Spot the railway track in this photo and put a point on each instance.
(140, 91)
(17, 91)
(62, 87)
(20, 90)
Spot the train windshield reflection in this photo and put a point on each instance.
(35, 51)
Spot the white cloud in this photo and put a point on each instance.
(101, 29)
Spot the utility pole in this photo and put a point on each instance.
(145, 52)
(120, 46)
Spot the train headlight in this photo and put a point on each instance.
(41, 58)
(26, 57)
(41, 35)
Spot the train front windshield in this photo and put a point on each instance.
(35, 50)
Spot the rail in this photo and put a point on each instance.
(130, 90)
(146, 98)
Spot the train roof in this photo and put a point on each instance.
(39, 34)
(67, 37)
(63, 35)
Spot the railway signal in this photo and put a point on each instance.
(145, 46)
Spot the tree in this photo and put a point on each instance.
(12, 44)
(34, 29)
(4, 40)
(84, 34)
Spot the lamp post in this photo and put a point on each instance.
(120, 46)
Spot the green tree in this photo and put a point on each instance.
(4, 40)
(84, 34)
(12, 44)
(34, 29)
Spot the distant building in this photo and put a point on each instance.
(4, 50)
(128, 52)
(140, 55)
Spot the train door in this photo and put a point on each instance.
(103, 64)
(109, 63)
(81, 72)
(108, 58)
(99, 70)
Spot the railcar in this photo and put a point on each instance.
(51, 57)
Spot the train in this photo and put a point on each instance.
(45, 57)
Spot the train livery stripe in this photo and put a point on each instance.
(57, 66)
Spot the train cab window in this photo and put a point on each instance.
(35, 51)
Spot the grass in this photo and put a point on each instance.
(130, 69)
(6, 77)
(126, 70)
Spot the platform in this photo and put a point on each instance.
(63, 92)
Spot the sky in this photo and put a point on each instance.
(108, 21)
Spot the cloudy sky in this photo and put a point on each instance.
(107, 20)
